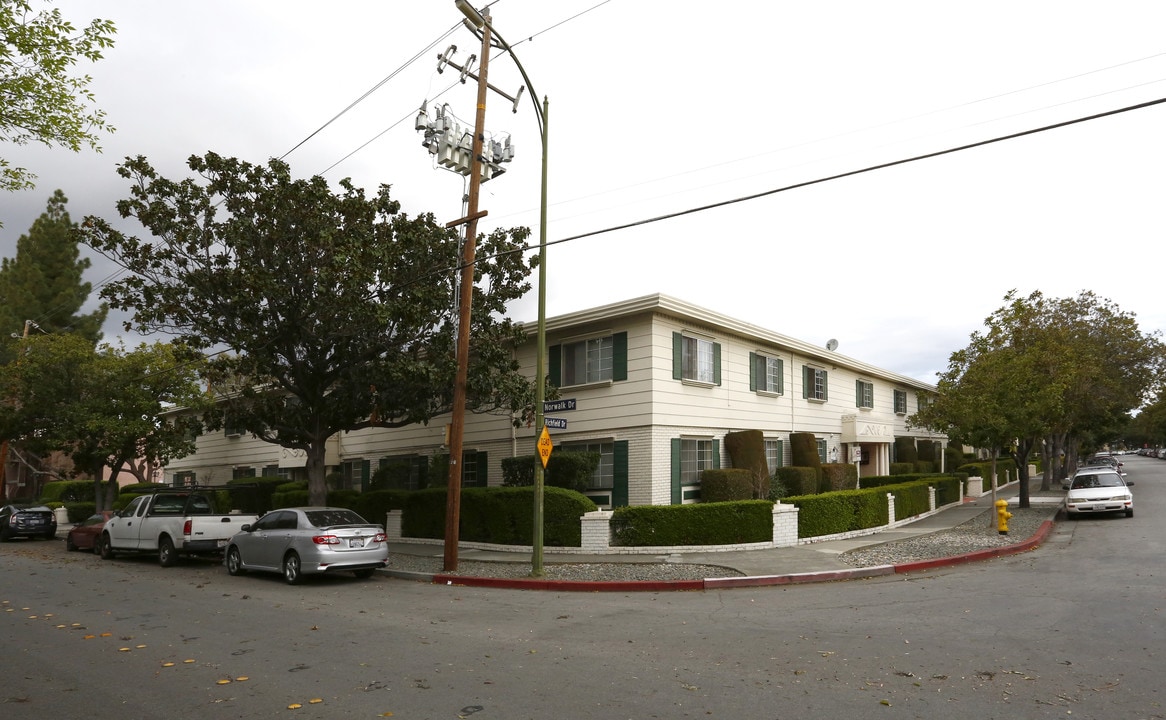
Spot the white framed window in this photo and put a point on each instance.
(587, 361)
(815, 383)
(604, 476)
(822, 450)
(766, 374)
(774, 454)
(698, 359)
(900, 402)
(695, 455)
(863, 394)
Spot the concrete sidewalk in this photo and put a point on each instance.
(814, 562)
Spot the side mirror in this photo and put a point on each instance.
(245, 528)
(1130, 483)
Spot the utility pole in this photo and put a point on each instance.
(465, 299)
(4, 444)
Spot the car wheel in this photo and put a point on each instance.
(51, 536)
(5, 535)
(363, 573)
(291, 569)
(69, 544)
(105, 548)
(1130, 512)
(166, 556)
(234, 562)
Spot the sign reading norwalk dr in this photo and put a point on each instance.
(545, 446)
(559, 405)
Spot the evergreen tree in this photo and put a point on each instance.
(43, 282)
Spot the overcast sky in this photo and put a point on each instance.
(658, 107)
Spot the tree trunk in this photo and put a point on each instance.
(317, 487)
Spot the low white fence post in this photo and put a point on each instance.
(785, 525)
(931, 497)
(596, 531)
(890, 509)
(393, 525)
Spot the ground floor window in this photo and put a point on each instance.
(774, 454)
(604, 476)
(822, 450)
(695, 456)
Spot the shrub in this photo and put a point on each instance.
(804, 450)
(726, 485)
(902, 468)
(798, 480)
(79, 511)
(499, 515)
(905, 451)
(746, 450)
(67, 491)
(838, 476)
(570, 470)
(722, 523)
(252, 495)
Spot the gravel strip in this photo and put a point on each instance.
(975, 534)
(979, 533)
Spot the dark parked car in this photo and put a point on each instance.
(30, 522)
(84, 534)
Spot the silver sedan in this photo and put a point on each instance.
(308, 540)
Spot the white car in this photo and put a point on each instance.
(308, 540)
(1099, 490)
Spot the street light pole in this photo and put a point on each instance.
(483, 22)
(465, 300)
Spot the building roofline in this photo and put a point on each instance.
(659, 302)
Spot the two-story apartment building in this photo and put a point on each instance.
(652, 384)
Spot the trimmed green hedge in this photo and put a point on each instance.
(67, 491)
(798, 480)
(838, 512)
(723, 523)
(502, 515)
(727, 485)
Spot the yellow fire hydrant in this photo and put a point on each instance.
(1002, 516)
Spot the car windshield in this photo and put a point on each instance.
(1097, 480)
(330, 517)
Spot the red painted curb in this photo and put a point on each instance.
(570, 585)
(987, 554)
(740, 582)
(797, 578)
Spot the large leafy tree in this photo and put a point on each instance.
(43, 100)
(330, 311)
(101, 407)
(1044, 368)
(43, 283)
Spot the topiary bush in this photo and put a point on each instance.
(726, 485)
(722, 523)
(798, 480)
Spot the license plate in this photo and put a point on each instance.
(356, 543)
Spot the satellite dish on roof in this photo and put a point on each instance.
(831, 344)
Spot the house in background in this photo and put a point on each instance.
(653, 385)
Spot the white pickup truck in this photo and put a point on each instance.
(170, 523)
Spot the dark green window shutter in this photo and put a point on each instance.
(717, 363)
(365, 475)
(677, 498)
(825, 386)
(754, 371)
(858, 393)
(677, 356)
(716, 454)
(555, 365)
(780, 376)
(481, 462)
(807, 380)
(619, 356)
(619, 470)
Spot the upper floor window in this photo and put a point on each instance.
(814, 383)
(766, 374)
(587, 361)
(863, 394)
(593, 360)
(901, 402)
(696, 359)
